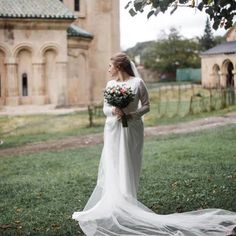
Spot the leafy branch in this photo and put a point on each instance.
(221, 12)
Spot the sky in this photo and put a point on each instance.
(189, 22)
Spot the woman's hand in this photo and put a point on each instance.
(118, 112)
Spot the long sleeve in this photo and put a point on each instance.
(144, 98)
(107, 108)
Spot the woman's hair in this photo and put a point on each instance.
(122, 62)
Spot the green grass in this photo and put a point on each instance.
(39, 192)
(20, 130)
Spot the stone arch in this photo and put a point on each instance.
(216, 75)
(227, 70)
(23, 46)
(5, 50)
(49, 46)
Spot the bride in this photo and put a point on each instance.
(113, 208)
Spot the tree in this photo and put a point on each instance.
(140, 49)
(221, 12)
(172, 53)
(207, 40)
(219, 39)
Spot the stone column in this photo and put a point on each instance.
(38, 84)
(12, 85)
(234, 74)
(223, 79)
(61, 67)
(215, 80)
(212, 82)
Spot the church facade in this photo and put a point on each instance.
(218, 64)
(56, 52)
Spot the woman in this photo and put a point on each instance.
(113, 208)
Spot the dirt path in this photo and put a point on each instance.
(89, 140)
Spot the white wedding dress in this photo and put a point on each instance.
(113, 208)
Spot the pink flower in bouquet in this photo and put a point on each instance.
(123, 90)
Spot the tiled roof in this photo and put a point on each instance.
(47, 9)
(227, 47)
(76, 31)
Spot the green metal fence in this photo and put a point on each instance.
(188, 74)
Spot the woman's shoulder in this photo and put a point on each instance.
(139, 80)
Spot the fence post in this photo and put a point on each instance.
(211, 99)
(223, 98)
(159, 101)
(167, 100)
(90, 113)
(179, 100)
(231, 94)
(191, 105)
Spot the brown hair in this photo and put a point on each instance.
(122, 62)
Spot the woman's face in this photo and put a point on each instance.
(113, 71)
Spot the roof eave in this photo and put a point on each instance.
(81, 37)
(38, 17)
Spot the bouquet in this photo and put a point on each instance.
(119, 96)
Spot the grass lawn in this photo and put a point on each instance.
(165, 109)
(20, 130)
(39, 192)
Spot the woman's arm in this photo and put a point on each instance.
(145, 104)
(107, 108)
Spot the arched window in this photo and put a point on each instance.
(77, 5)
(24, 85)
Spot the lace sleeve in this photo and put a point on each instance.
(144, 98)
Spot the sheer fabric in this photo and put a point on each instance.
(113, 208)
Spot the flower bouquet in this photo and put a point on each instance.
(119, 96)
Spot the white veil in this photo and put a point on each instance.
(134, 68)
(136, 74)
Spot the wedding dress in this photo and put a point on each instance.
(113, 208)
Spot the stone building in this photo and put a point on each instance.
(219, 63)
(56, 52)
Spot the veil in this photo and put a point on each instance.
(134, 68)
(136, 74)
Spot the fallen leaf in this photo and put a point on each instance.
(6, 226)
(56, 226)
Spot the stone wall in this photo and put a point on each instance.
(34, 55)
(40, 64)
(215, 70)
(101, 19)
